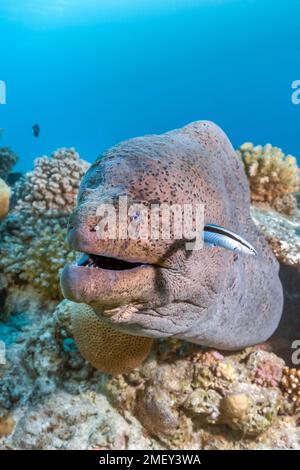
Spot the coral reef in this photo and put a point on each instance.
(5, 194)
(33, 237)
(273, 176)
(182, 397)
(7, 161)
(49, 396)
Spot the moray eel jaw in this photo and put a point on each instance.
(108, 288)
(104, 280)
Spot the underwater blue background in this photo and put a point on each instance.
(94, 72)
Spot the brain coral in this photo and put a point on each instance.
(273, 176)
(104, 347)
(32, 238)
(4, 198)
(7, 160)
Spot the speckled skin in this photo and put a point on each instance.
(210, 296)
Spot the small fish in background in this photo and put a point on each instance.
(36, 130)
(1, 133)
(215, 235)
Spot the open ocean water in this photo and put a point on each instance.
(94, 72)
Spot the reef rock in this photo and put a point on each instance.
(283, 235)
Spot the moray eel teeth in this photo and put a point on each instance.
(106, 262)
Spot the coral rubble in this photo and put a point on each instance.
(182, 397)
(273, 176)
(181, 400)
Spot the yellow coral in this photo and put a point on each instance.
(105, 348)
(6, 426)
(291, 386)
(273, 176)
(235, 406)
(4, 198)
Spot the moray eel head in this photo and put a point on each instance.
(154, 287)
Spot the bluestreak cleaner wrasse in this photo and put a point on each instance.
(219, 236)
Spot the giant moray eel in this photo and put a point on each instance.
(136, 290)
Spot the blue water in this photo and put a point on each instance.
(94, 72)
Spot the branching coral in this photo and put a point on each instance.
(51, 188)
(4, 198)
(273, 176)
(32, 239)
(291, 386)
(7, 160)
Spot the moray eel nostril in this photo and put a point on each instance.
(155, 287)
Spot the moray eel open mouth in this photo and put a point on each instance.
(107, 282)
(106, 262)
(154, 286)
(111, 274)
